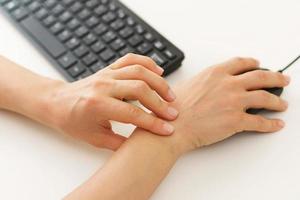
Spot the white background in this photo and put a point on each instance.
(38, 163)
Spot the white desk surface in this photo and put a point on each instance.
(37, 163)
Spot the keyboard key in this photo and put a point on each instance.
(98, 47)
(109, 36)
(97, 66)
(112, 6)
(135, 40)
(126, 32)
(84, 14)
(118, 44)
(73, 24)
(76, 70)
(12, 5)
(34, 6)
(159, 45)
(107, 55)
(58, 9)
(109, 17)
(73, 43)
(81, 31)
(67, 60)
(90, 39)
(100, 29)
(117, 25)
(92, 21)
(121, 14)
(90, 59)
(57, 28)
(149, 37)
(100, 10)
(41, 14)
(50, 3)
(75, 8)
(20, 14)
(47, 40)
(65, 17)
(158, 58)
(169, 54)
(127, 50)
(81, 51)
(130, 21)
(50, 20)
(68, 2)
(139, 29)
(144, 48)
(91, 3)
(65, 35)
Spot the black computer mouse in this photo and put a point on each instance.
(275, 91)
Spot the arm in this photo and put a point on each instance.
(83, 109)
(212, 110)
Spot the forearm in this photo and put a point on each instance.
(25, 92)
(134, 171)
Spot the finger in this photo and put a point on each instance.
(107, 140)
(127, 113)
(139, 90)
(134, 59)
(237, 66)
(263, 99)
(263, 79)
(261, 124)
(157, 83)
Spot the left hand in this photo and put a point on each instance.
(83, 109)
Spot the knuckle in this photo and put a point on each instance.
(130, 56)
(140, 86)
(265, 96)
(238, 59)
(134, 112)
(261, 123)
(261, 75)
(138, 70)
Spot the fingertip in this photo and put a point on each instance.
(280, 124)
(173, 113)
(171, 95)
(159, 70)
(287, 79)
(167, 129)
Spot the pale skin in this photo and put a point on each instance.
(214, 109)
(84, 109)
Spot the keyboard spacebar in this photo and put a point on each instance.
(46, 39)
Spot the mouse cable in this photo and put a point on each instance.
(289, 65)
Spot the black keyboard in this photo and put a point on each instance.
(81, 37)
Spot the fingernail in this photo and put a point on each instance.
(281, 124)
(286, 104)
(159, 69)
(171, 95)
(172, 112)
(168, 128)
(287, 78)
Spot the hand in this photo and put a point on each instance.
(215, 106)
(84, 108)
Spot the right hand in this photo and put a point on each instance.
(214, 108)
